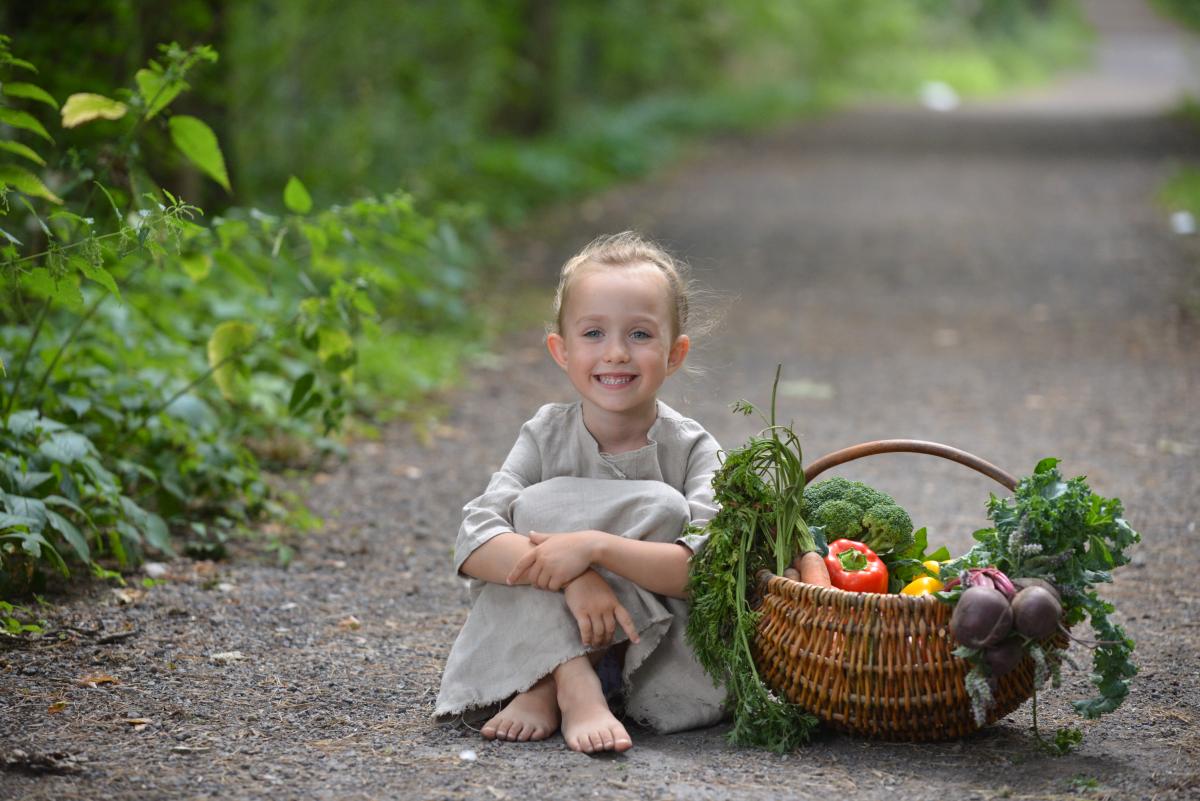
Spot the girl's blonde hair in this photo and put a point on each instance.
(626, 249)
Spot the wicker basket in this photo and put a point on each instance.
(876, 665)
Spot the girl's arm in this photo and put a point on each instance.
(495, 559)
(660, 567)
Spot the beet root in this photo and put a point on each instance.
(1023, 582)
(1036, 612)
(1003, 657)
(982, 617)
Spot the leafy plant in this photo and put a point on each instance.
(178, 354)
(1063, 532)
(760, 490)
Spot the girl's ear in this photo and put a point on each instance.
(558, 349)
(679, 352)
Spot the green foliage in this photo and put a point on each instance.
(759, 489)
(1186, 11)
(1063, 532)
(149, 357)
(1181, 192)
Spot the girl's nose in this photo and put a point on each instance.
(616, 351)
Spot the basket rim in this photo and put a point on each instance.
(835, 596)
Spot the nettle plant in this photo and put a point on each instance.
(143, 350)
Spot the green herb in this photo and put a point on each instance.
(1065, 533)
(760, 490)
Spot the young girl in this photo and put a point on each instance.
(578, 544)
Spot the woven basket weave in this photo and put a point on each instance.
(870, 664)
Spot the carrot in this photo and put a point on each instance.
(812, 569)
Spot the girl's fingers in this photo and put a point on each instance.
(610, 627)
(536, 538)
(598, 631)
(521, 566)
(585, 629)
(627, 623)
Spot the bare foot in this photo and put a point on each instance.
(587, 723)
(531, 715)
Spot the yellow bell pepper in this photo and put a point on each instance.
(922, 585)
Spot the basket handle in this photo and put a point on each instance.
(908, 446)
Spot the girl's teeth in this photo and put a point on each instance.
(609, 380)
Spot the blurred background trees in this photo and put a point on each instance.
(215, 251)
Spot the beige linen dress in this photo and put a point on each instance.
(556, 479)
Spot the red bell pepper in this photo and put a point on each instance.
(855, 567)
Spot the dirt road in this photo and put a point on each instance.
(998, 278)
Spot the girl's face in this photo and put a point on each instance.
(616, 342)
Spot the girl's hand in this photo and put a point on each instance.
(556, 559)
(597, 610)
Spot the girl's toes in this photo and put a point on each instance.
(525, 733)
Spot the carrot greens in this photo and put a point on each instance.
(760, 490)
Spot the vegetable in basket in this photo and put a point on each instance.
(855, 567)
(1063, 539)
(759, 489)
(852, 510)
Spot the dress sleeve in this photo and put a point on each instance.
(491, 513)
(703, 462)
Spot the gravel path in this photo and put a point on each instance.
(998, 278)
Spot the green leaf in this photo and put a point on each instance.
(1046, 465)
(66, 447)
(30, 92)
(157, 93)
(197, 266)
(157, 533)
(42, 284)
(8, 521)
(70, 533)
(23, 180)
(300, 391)
(23, 150)
(296, 197)
(336, 350)
(199, 144)
(85, 107)
(97, 273)
(10, 237)
(21, 119)
(225, 346)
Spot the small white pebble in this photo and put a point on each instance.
(154, 570)
(1183, 223)
(467, 755)
(288, 606)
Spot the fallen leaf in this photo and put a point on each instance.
(138, 723)
(225, 657)
(350, 622)
(56, 707)
(407, 471)
(96, 679)
(128, 595)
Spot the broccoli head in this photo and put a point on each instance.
(856, 511)
(889, 528)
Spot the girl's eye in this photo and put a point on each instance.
(641, 335)
(592, 333)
